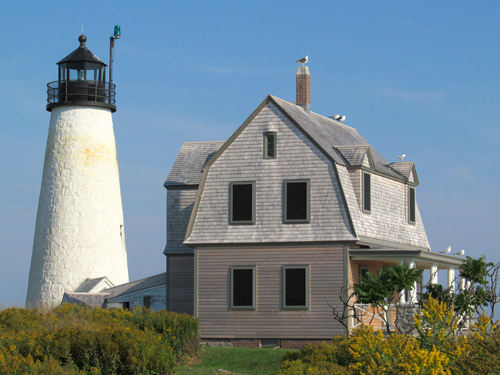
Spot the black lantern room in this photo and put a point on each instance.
(81, 81)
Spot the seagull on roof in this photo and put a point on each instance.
(401, 157)
(446, 251)
(461, 252)
(303, 60)
(338, 117)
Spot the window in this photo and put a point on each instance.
(362, 273)
(242, 207)
(126, 305)
(269, 145)
(296, 203)
(295, 287)
(411, 204)
(243, 287)
(147, 301)
(367, 192)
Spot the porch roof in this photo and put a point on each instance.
(423, 258)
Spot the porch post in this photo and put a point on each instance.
(461, 284)
(434, 274)
(451, 279)
(413, 291)
(402, 294)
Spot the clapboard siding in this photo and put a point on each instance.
(180, 276)
(136, 299)
(296, 158)
(268, 320)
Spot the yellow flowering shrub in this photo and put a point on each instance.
(481, 354)
(374, 354)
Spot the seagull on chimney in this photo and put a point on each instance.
(303, 60)
(401, 157)
(461, 252)
(446, 251)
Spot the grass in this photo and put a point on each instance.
(217, 361)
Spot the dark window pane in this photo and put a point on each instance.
(243, 287)
(411, 207)
(270, 145)
(296, 201)
(147, 301)
(295, 294)
(367, 203)
(242, 200)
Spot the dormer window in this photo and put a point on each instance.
(269, 145)
(411, 205)
(367, 192)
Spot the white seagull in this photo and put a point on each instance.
(446, 251)
(338, 117)
(401, 157)
(303, 60)
(461, 252)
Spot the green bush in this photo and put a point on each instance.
(316, 368)
(72, 339)
(326, 358)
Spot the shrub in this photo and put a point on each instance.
(374, 354)
(482, 349)
(298, 367)
(325, 358)
(72, 339)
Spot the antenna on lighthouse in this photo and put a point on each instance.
(112, 38)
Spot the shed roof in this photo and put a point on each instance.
(136, 285)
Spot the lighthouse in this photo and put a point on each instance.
(79, 231)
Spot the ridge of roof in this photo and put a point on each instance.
(328, 133)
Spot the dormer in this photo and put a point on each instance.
(357, 155)
(407, 170)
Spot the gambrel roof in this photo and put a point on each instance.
(340, 142)
(347, 151)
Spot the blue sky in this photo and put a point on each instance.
(420, 79)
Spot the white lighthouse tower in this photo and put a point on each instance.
(79, 230)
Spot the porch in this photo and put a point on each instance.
(404, 306)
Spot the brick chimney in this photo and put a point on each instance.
(303, 88)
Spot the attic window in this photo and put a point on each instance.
(242, 203)
(411, 205)
(367, 192)
(296, 203)
(269, 145)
